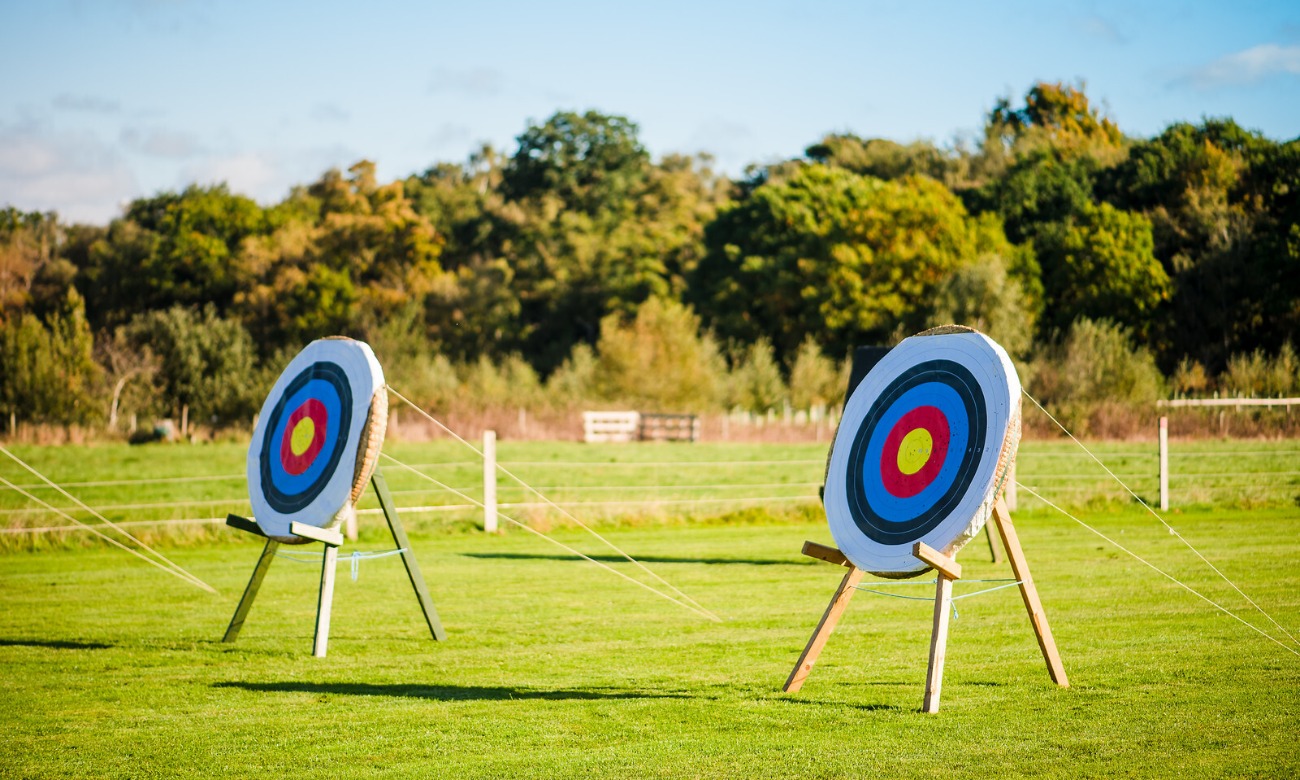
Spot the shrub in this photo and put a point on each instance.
(1093, 373)
(659, 361)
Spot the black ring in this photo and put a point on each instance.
(338, 379)
(961, 380)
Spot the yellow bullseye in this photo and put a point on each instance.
(914, 452)
(303, 433)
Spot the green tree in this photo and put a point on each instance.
(29, 242)
(755, 383)
(1217, 197)
(174, 249)
(47, 370)
(207, 363)
(589, 161)
(658, 361)
(885, 159)
(1100, 264)
(1054, 113)
(815, 381)
(1094, 371)
(843, 258)
(984, 297)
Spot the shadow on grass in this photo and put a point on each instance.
(850, 705)
(447, 692)
(641, 559)
(55, 644)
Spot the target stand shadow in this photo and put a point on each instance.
(332, 540)
(924, 450)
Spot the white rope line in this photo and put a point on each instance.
(1167, 576)
(173, 567)
(355, 558)
(691, 463)
(152, 481)
(557, 507)
(1163, 522)
(698, 610)
(176, 571)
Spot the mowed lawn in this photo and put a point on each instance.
(556, 668)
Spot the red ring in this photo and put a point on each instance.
(907, 485)
(297, 464)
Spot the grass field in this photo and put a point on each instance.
(555, 668)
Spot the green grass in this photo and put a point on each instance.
(556, 668)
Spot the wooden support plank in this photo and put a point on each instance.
(830, 618)
(942, 563)
(1029, 593)
(938, 640)
(329, 537)
(324, 604)
(244, 524)
(408, 557)
(826, 553)
(254, 584)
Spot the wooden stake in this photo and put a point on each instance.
(329, 565)
(947, 570)
(993, 548)
(1037, 617)
(250, 592)
(830, 618)
(408, 557)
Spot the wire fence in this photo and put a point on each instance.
(1225, 473)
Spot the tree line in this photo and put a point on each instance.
(576, 269)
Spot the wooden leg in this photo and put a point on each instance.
(1037, 617)
(823, 631)
(993, 547)
(250, 592)
(408, 557)
(946, 570)
(938, 642)
(327, 571)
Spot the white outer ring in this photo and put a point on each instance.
(996, 377)
(365, 377)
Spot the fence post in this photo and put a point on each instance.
(490, 481)
(1164, 464)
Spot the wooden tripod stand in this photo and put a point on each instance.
(948, 571)
(332, 541)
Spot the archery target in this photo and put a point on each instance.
(921, 452)
(312, 436)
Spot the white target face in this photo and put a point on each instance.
(918, 454)
(302, 460)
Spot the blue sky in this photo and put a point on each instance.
(108, 100)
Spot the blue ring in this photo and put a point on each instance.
(895, 509)
(325, 392)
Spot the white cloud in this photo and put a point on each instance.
(1103, 29)
(474, 82)
(87, 103)
(247, 173)
(1247, 67)
(450, 134)
(329, 112)
(71, 173)
(168, 144)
